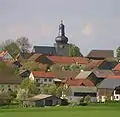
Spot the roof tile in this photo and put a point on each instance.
(43, 74)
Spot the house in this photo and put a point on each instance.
(40, 58)
(24, 73)
(9, 82)
(106, 89)
(5, 56)
(98, 75)
(102, 64)
(100, 54)
(43, 100)
(93, 64)
(42, 77)
(79, 88)
(116, 93)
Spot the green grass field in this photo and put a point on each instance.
(86, 111)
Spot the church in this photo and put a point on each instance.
(61, 46)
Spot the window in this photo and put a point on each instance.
(37, 80)
(8, 85)
(116, 97)
(84, 94)
(45, 80)
(50, 80)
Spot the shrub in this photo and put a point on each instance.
(87, 99)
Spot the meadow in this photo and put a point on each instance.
(102, 110)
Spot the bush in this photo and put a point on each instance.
(73, 104)
(87, 99)
(83, 104)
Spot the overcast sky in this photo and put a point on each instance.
(90, 24)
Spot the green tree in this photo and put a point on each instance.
(75, 67)
(30, 86)
(30, 65)
(5, 98)
(74, 50)
(52, 90)
(118, 51)
(56, 67)
(11, 47)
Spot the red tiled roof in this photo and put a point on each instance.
(43, 74)
(94, 63)
(2, 53)
(67, 60)
(117, 67)
(79, 82)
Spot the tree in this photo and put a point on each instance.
(52, 90)
(118, 51)
(30, 65)
(23, 44)
(73, 50)
(29, 86)
(75, 67)
(5, 98)
(56, 67)
(11, 47)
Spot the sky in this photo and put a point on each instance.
(89, 24)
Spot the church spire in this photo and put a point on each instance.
(61, 29)
(61, 38)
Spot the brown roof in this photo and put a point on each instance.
(117, 67)
(43, 74)
(66, 74)
(4, 79)
(67, 60)
(79, 82)
(34, 57)
(94, 63)
(100, 54)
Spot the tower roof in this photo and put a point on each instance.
(61, 38)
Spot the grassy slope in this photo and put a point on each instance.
(88, 111)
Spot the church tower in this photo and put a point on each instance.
(61, 45)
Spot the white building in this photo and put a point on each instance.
(42, 77)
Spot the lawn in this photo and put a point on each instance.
(86, 111)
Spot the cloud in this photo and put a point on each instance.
(87, 29)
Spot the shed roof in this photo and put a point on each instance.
(39, 97)
(109, 83)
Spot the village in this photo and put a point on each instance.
(48, 76)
